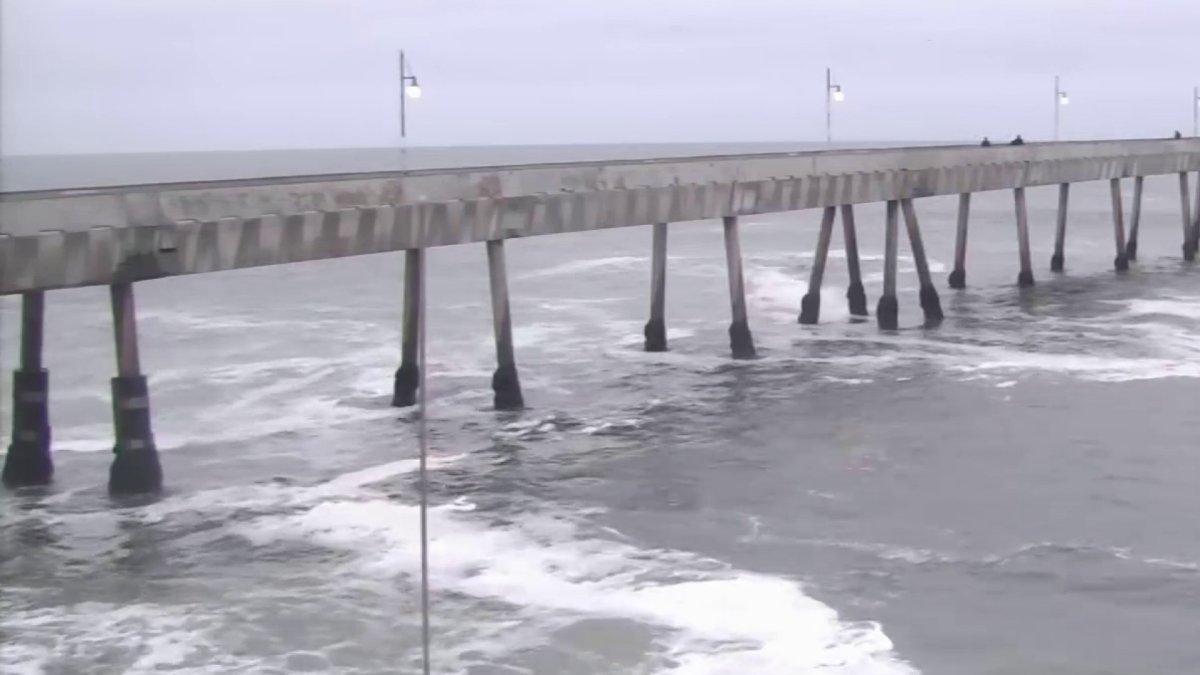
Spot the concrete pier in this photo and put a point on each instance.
(408, 375)
(1060, 230)
(958, 277)
(506, 385)
(930, 303)
(135, 467)
(856, 295)
(741, 342)
(1135, 218)
(810, 304)
(1121, 261)
(887, 312)
(656, 328)
(28, 461)
(1025, 278)
(1189, 238)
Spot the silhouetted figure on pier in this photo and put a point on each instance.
(1017, 141)
(1178, 135)
(986, 143)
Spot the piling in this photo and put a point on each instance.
(408, 375)
(958, 277)
(1196, 218)
(656, 328)
(1060, 231)
(930, 303)
(135, 467)
(741, 342)
(1121, 262)
(506, 385)
(1135, 218)
(1025, 278)
(810, 304)
(856, 295)
(887, 312)
(1189, 239)
(28, 461)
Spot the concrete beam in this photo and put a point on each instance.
(83, 237)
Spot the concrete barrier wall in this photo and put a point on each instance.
(83, 237)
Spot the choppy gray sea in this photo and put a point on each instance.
(1013, 492)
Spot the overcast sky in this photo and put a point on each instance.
(140, 75)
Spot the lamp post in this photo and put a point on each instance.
(833, 94)
(409, 88)
(1060, 99)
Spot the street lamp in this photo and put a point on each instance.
(409, 88)
(1196, 111)
(833, 94)
(1060, 99)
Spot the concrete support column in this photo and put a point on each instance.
(1121, 262)
(28, 461)
(856, 295)
(1196, 218)
(506, 386)
(408, 375)
(135, 467)
(1135, 218)
(1189, 239)
(656, 328)
(887, 312)
(958, 277)
(931, 305)
(1060, 231)
(810, 304)
(1025, 278)
(741, 342)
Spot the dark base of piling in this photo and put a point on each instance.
(741, 342)
(404, 391)
(1121, 262)
(810, 308)
(958, 279)
(932, 306)
(1056, 262)
(1025, 279)
(887, 313)
(135, 472)
(1189, 253)
(135, 468)
(506, 388)
(857, 298)
(28, 463)
(656, 335)
(1131, 250)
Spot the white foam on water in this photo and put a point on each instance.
(775, 293)
(1178, 306)
(152, 638)
(587, 265)
(718, 618)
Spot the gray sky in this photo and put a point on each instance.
(142, 75)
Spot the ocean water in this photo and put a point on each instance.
(1012, 492)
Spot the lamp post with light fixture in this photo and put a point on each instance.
(833, 93)
(409, 88)
(1196, 111)
(1060, 99)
